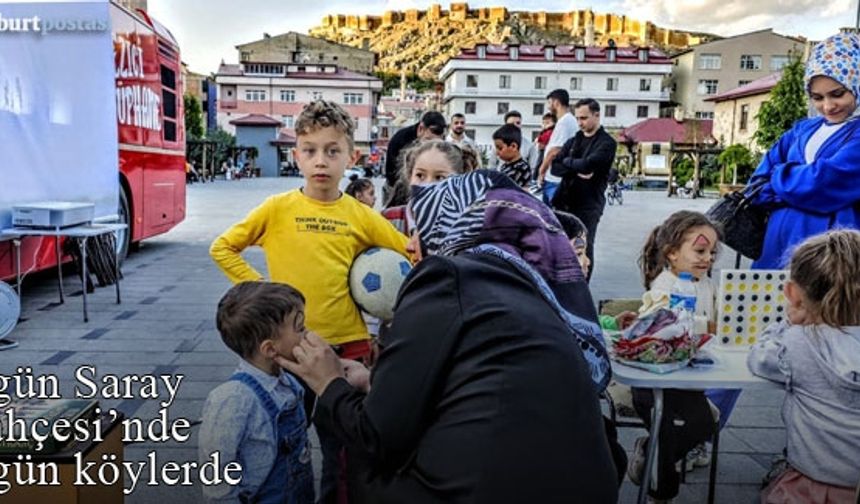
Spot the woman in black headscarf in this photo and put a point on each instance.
(487, 388)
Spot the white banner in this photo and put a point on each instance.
(58, 131)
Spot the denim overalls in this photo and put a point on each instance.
(291, 479)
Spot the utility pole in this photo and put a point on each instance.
(857, 21)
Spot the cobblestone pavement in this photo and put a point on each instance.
(165, 325)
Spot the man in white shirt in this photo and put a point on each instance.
(558, 103)
(457, 135)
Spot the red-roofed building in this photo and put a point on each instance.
(651, 140)
(735, 110)
(486, 81)
(281, 86)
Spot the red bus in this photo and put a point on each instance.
(151, 138)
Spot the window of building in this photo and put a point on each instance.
(540, 82)
(288, 95)
(655, 149)
(537, 109)
(745, 116)
(710, 61)
(778, 61)
(288, 121)
(316, 95)
(751, 62)
(263, 69)
(642, 111)
(471, 80)
(575, 83)
(255, 95)
(644, 84)
(353, 98)
(470, 107)
(743, 82)
(504, 82)
(502, 107)
(704, 115)
(609, 111)
(708, 86)
(469, 133)
(245, 56)
(612, 83)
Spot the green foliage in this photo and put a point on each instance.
(683, 170)
(391, 81)
(737, 159)
(193, 117)
(786, 105)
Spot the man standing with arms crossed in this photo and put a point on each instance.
(558, 103)
(583, 164)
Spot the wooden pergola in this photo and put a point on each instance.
(695, 151)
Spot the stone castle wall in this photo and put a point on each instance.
(573, 22)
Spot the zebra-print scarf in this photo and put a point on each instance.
(484, 212)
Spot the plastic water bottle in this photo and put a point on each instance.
(682, 299)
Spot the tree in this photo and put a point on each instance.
(786, 105)
(737, 156)
(193, 117)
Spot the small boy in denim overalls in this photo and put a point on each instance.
(257, 418)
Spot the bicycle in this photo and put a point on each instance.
(615, 194)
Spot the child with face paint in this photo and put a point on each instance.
(686, 242)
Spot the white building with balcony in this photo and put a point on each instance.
(487, 81)
(280, 91)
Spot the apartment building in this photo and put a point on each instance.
(487, 81)
(707, 70)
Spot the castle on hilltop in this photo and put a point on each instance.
(584, 25)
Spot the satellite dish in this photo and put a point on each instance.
(10, 310)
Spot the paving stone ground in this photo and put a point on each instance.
(165, 324)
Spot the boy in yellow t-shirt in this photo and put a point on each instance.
(311, 235)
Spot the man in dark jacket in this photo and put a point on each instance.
(583, 164)
(432, 125)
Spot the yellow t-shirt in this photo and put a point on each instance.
(310, 245)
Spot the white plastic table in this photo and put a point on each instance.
(729, 371)
(83, 233)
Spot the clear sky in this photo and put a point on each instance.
(209, 30)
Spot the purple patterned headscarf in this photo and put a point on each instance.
(487, 207)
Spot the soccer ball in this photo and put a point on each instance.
(375, 279)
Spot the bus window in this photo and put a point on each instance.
(168, 100)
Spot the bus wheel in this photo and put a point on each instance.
(124, 236)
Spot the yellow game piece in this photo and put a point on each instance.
(739, 340)
(754, 308)
(755, 287)
(751, 340)
(768, 287)
(767, 309)
(726, 329)
(727, 308)
(742, 287)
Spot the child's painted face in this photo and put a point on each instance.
(290, 334)
(580, 246)
(431, 166)
(322, 156)
(697, 252)
(505, 152)
(367, 196)
(831, 99)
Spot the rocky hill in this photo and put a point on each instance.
(421, 41)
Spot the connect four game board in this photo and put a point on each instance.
(747, 302)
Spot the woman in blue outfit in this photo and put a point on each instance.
(812, 174)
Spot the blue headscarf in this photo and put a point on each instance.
(837, 57)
